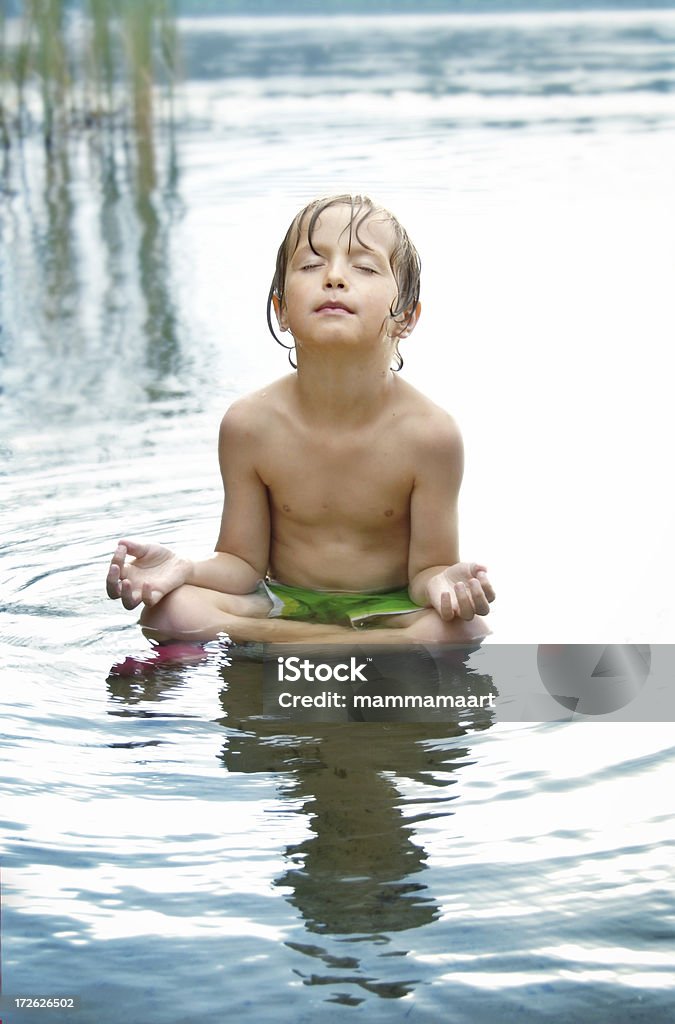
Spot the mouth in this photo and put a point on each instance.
(334, 307)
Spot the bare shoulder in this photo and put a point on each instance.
(432, 430)
(250, 416)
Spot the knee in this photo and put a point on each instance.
(167, 620)
(433, 628)
(196, 614)
(187, 613)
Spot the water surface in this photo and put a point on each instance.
(167, 853)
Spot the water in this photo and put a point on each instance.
(167, 854)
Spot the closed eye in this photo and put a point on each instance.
(311, 266)
(367, 270)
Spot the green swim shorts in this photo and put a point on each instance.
(335, 608)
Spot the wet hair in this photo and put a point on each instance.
(404, 259)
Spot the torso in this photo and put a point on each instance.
(339, 499)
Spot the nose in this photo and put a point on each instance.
(334, 278)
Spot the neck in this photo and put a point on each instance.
(343, 391)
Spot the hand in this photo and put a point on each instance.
(154, 572)
(461, 591)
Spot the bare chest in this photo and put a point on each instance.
(364, 482)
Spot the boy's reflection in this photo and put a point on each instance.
(355, 874)
(358, 874)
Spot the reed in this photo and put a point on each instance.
(88, 141)
(72, 67)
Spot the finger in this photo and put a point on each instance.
(149, 596)
(119, 555)
(135, 548)
(480, 601)
(466, 609)
(113, 581)
(446, 607)
(129, 598)
(442, 601)
(488, 589)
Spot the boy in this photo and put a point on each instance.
(341, 480)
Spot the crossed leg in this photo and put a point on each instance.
(196, 615)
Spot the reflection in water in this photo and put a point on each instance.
(360, 871)
(58, 253)
(359, 874)
(553, 876)
(90, 275)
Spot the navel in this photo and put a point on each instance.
(286, 508)
(389, 512)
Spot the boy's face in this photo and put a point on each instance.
(342, 293)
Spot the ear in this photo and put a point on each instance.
(279, 312)
(411, 322)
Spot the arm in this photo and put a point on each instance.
(242, 549)
(437, 578)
